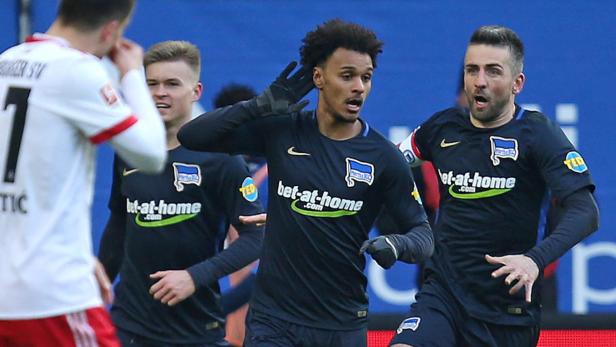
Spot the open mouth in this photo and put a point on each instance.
(162, 106)
(481, 101)
(354, 104)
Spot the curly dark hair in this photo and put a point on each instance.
(321, 43)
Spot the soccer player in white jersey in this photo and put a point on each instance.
(56, 103)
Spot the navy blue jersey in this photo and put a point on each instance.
(494, 185)
(324, 196)
(173, 221)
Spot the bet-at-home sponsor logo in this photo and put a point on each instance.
(152, 214)
(318, 204)
(474, 186)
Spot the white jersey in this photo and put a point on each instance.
(55, 104)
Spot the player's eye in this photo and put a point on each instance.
(494, 71)
(470, 70)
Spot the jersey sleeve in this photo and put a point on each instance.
(233, 129)
(85, 96)
(237, 192)
(562, 166)
(416, 147)
(400, 194)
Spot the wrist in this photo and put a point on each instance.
(535, 258)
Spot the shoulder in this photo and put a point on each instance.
(381, 141)
(385, 150)
(76, 74)
(536, 118)
(452, 114)
(85, 69)
(537, 122)
(211, 160)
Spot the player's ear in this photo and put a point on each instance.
(518, 84)
(317, 77)
(197, 91)
(108, 31)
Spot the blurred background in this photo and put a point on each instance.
(570, 57)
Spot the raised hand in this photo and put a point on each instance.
(126, 55)
(284, 94)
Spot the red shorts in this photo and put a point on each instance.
(88, 328)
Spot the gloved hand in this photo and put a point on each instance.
(382, 249)
(284, 94)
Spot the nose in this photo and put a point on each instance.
(158, 90)
(480, 79)
(358, 85)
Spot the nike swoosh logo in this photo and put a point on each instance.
(292, 151)
(448, 144)
(128, 172)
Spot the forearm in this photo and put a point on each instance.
(580, 217)
(111, 251)
(237, 296)
(416, 245)
(211, 130)
(143, 145)
(240, 253)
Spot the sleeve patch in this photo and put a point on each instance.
(109, 94)
(575, 162)
(249, 190)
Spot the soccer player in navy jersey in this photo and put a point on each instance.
(163, 235)
(330, 174)
(497, 164)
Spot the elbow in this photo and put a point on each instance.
(189, 138)
(429, 251)
(592, 213)
(255, 237)
(594, 223)
(150, 163)
(426, 254)
(183, 137)
(155, 164)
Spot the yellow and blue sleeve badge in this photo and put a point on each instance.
(249, 190)
(575, 162)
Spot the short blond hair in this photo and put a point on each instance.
(174, 51)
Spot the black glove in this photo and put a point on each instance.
(383, 249)
(284, 94)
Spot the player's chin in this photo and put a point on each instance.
(348, 116)
(483, 114)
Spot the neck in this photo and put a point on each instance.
(172, 133)
(84, 41)
(502, 119)
(336, 129)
